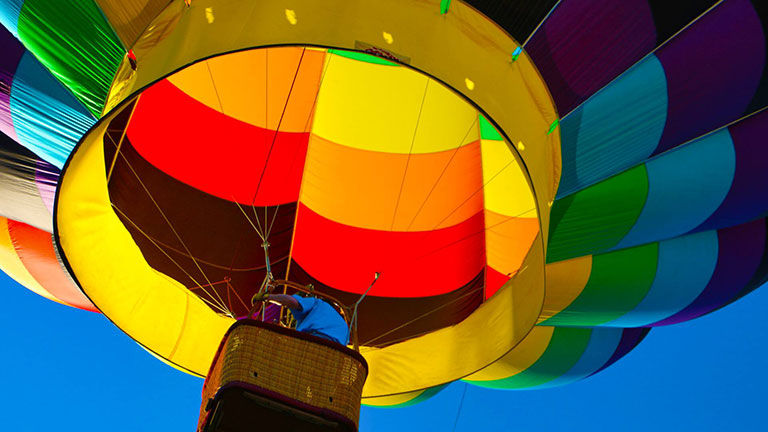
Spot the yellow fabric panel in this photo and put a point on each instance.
(388, 191)
(506, 190)
(129, 18)
(235, 84)
(390, 109)
(455, 352)
(11, 264)
(519, 359)
(150, 307)
(387, 401)
(565, 281)
(507, 240)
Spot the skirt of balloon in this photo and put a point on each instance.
(265, 376)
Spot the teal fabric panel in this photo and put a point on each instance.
(685, 267)
(602, 345)
(9, 15)
(615, 129)
(685, 186)
(47, 118)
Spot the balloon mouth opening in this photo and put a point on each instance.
(345, 163)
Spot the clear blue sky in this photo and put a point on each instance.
(70, 370)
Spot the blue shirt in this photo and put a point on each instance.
(319, 318)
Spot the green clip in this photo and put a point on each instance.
(516, 53)
(444, 6)
(553, 126)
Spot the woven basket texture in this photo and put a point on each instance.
(295, 368)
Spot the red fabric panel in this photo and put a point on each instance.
(493, 281)
(216, 153)
(412, 264)
(35, 249)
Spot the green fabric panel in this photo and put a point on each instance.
(564, 350)
(487, 131)
(363, 57)
(598, 217)
(444, 6)
(75, 42)
(619, 281)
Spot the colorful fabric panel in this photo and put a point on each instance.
(710, 183)
(659, 283)
(658, 104)
(36, 110)
(71, 39)
(27, 185)
(554, 356)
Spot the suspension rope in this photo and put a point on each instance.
(431, 311)
(250, 222)
(220, 307)
(445, 169)
(480, 189)
(279, 123)
(306, 126)
(410, 152)
(170, 225)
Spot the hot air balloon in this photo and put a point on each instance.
(538, 183)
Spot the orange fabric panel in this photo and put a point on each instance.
(35, 248)
(507, 242)
(11, 264)
(389, 191)
(235, 84)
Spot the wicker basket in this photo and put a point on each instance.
(283, 378)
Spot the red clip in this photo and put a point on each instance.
(132, 60)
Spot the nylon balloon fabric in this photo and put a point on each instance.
(539, 183)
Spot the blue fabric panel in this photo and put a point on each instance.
(602, 345)
(48, 119)
(685, 186)
(685, 267)
(9, 15)
(615, 129)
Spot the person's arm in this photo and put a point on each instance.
(282, 299)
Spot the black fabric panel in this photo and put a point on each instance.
(761, 94)
(671, 16)
(378, 317)
(214, 230)
(518, 17)
(18, 162)
(761, 275)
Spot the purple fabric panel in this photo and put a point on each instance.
(748, 197)
(584, 44)
(11, 50)
(46, 178)
(629, 340)
(739, 256)
(713, 70)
